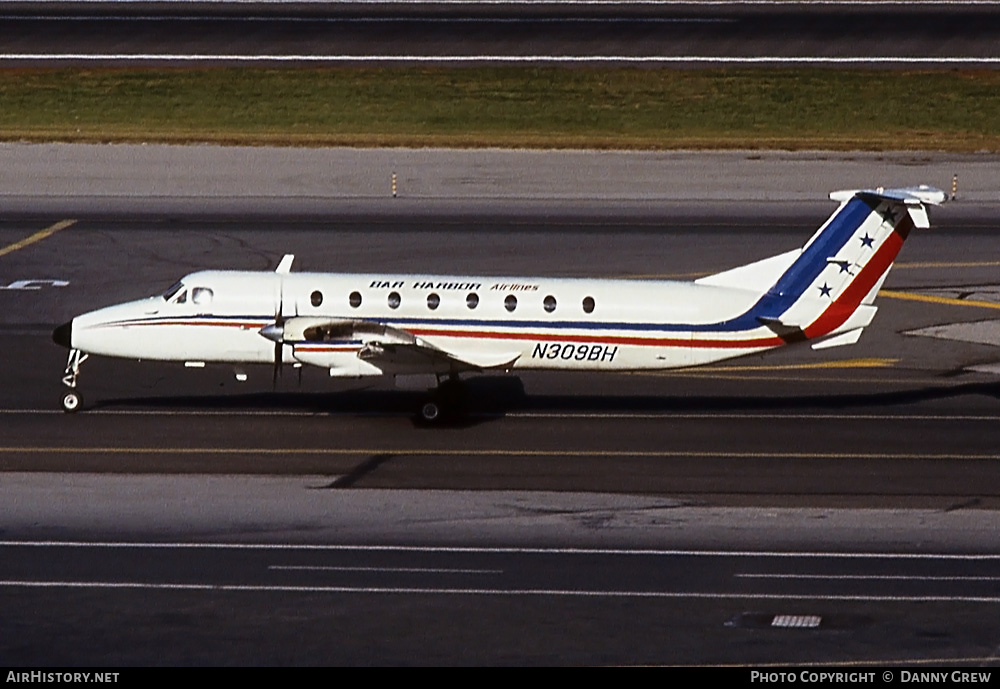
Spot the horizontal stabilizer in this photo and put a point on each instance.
(779, 326)
(907, 195)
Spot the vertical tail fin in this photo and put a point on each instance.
(831, 285)
(826, 289)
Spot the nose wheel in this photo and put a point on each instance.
(72, 400)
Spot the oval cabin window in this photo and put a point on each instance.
(510, 303)
(433, 301)
(549, 304)
(316, 298)
(588, 304)
(394, 300)
(355, 299)
(472, 301)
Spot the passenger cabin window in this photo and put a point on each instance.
(202, 295)
(549, 304)
(472, 301)
(394, 300)
(588, 304)
(510, 303)
(433, 301)
(354, 300)
(316, 298)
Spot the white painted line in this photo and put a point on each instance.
(249, 588)
(521, 415)
(531, 59)
(373, 19)
(909, 4)
(501, 550)
(171, 412)
(404, 570)
(862, 577)
(750, 417)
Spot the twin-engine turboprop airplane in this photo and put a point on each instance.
(375, 324)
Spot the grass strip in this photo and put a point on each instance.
(522, 107)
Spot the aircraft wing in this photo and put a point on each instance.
(387, 347)
(423, 357)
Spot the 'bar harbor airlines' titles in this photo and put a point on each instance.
(442, 327)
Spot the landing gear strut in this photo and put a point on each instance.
(72, 400)
(447, 401)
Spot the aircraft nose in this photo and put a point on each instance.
(63, 335)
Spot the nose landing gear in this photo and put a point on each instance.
(72, 399)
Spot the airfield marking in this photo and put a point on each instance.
(381, 570)
(588, 593)
(950, 301)
(992, 418)
(695, 374)
(520, 550)
(502, 59)
(37, 237)
(447, 452)
(948, 264)
(870, 362)
(863, 577)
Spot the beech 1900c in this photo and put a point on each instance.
(356, 325)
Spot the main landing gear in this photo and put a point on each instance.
(72, 400)
(447, 402)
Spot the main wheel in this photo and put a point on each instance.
(430, 412)
(71, 402)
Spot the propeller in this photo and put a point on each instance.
(279, 342)
(276, 330)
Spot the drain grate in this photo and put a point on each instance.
(796, 621)
(776, 620)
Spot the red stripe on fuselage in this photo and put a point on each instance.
(602, 339)
(214, 324)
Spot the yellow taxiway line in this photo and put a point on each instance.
(37, 237)
(950, 301)
(872, 362)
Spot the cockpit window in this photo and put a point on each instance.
(201, 295)
(172, 291)
(181, 298)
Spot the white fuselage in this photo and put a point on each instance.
(528, 323)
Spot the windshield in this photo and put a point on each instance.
(173, 290)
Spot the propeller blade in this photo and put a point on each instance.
(277, 364)
(279, 327)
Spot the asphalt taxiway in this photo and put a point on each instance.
(186, 517)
